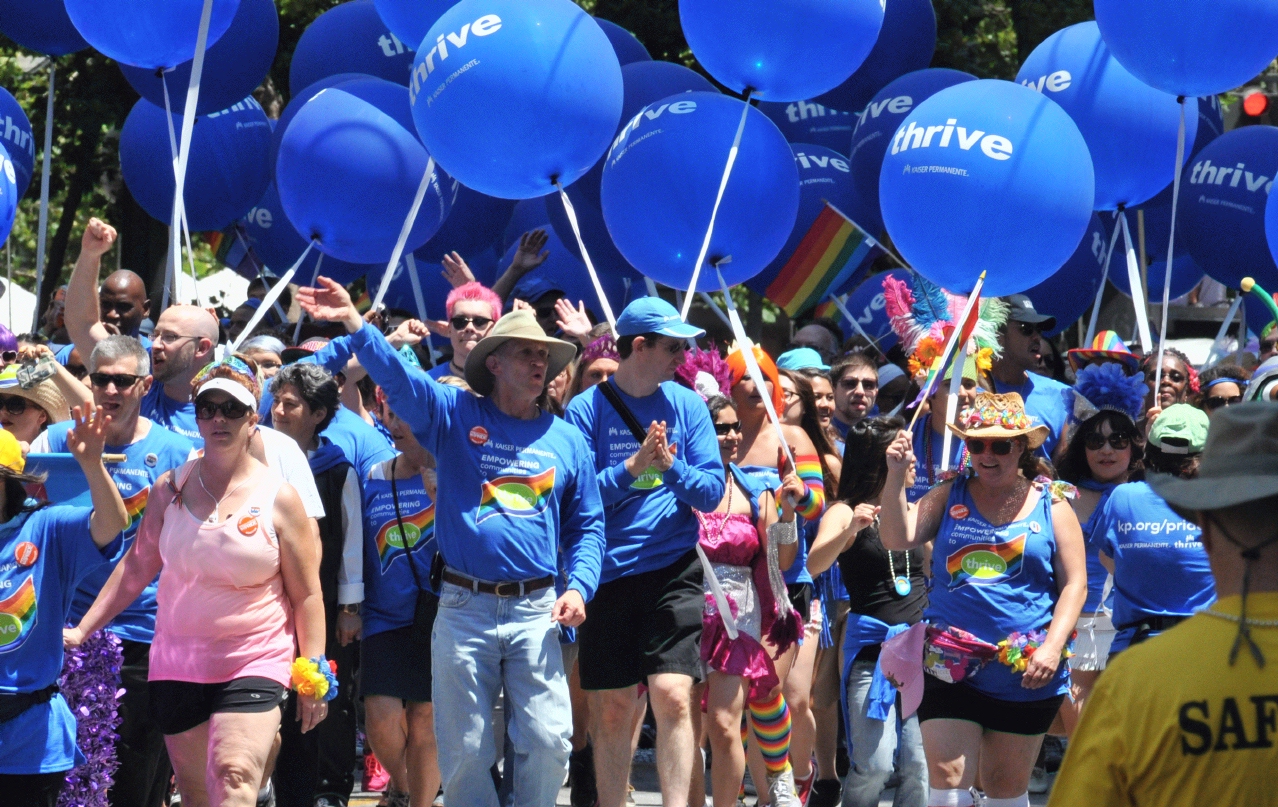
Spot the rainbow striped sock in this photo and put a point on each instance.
(771, 722)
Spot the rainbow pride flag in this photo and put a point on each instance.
(17, 614)
(986, 563)
(516, 495)
(833, 249)
(417, 526)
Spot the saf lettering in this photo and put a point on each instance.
(1231, 726)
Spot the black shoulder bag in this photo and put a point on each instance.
(427, 603)
(610, 392)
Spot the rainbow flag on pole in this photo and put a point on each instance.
(833, 249)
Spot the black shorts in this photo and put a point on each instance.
(641, 625)
(395, 664)
(942, 701)
(801, 599)
(178, 706)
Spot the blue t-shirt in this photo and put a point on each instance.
(362, 444)
(63, 354)
(176, 416)
(649, 521)
(1097, 574)
(1045, 404)
(440, 370)
(43, 556)
(161, 450)
(798, 571)
(928, 450)
(1160, 565)
(511, 491)
(993, 581)
(390, 590)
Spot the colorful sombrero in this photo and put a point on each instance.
(1105, 347)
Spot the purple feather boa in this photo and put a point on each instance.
(90, 683)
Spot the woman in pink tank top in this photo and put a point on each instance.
(239, 598)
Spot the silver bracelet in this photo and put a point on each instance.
(783, 532)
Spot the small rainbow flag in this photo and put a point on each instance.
(516, 496)
(17, 614)
(135, 506)
(419, 526)
(833, 249)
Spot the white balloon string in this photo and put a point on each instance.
(713, 306)
(585, 257)
(1100, 291)
(398, 252)
(1171, 246)
(1218, 343)
(411, 268)
(651, 286)
(188, 125)
(718, 199)
(45, 168)
(269, 300)
(1138, 291)
(842, 305)
(175, 220)
(951, 404)
(297, 330)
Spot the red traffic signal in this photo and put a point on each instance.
(1256, 104)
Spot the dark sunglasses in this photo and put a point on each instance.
(1029, 328)
(723, 429)
(9, 356)
(122, 381)
(869, 384)
(1268, 345)
(231, 409)
(1174, 376)
(1096, 441)
(13, 404)
(1000, 448)
(459, 322)
(1216, 401)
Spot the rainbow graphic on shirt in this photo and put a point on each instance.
(135, 506)
(419, 527)
(985, 564)
(17, 615)
(515, 496)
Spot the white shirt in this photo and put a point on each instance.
(289, 461)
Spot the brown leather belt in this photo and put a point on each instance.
(515, 589)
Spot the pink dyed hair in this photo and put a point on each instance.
(473, 291)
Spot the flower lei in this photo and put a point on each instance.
(1018, 648)
(314, 677)
(90, 683)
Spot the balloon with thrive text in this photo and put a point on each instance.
(8, 195)
(17, 138)
(349, 38)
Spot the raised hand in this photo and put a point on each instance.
(98, 238)
(792, 490)
(664, 453)
(329, 302)
(522, 305)
(573, 321)
(900, 453)
(456, 272)
(409, 332)
(531, 253)
(86, 440)
(863, 515)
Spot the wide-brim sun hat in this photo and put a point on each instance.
(45, 394)
(1239, 463)
(999, 416)
(1106, 346)
(520, 324)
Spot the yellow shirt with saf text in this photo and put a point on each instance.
(1172, 724)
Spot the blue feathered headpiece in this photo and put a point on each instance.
(1101, 387)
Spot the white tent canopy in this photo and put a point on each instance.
(17, 307)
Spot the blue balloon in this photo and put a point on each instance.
(905, 44)
(1191, 47)
(885, 111)
(1185, 275)
(869, 305)
(233, 66)
(473, 226)
(1211, 122)
(662, 177)
(278, 245)
(349, 38)
(564, 272)
(1130, 127)
(409, 20)
(17, 139)
(148, 33)
(805, 122)
(347, 175)
(42, 26)
(1223, 192)
(8, 195)
(1071, 291)
(605, 256)
(226, 173)
(625, 44)
(1002, 184)
(824, 176)
(782, 50)
(532, 93)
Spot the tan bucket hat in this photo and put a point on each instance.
(45, 394)
(515, 325)
(999, 416)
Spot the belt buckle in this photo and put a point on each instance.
(507, 589)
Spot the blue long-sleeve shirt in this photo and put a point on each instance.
(511, 492)
(649, 521)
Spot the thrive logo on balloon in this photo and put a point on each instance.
(650, 114)
(1204, 173)
(913, 136)
(484, 26)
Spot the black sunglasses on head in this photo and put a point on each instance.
(231, 409)
(1000, 448)
(459, 322)
(122, 381)
(1096, 441)
(723, 429)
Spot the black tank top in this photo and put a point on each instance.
(867, 576)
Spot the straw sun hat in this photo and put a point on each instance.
(515, 325)
(999, 416)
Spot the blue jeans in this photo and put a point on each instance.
(874, 749)
(480, 644)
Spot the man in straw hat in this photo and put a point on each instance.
(515, 484)
(1207, 731)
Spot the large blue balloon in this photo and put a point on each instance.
(227, 171)
(347, 175)
(628, 48)
(278, 245)
(605, 256)
(987, 176)
(805, 122)
(148, 33)
(233, 66)
(885, 111)
(1070, 292)
(1223, 192)
(782, 50)
(474, 225)
(1211, 122)
(1185, 275)
(662, 177)
(1130, 127)
(42, 26)
(905, 44)
(349, 38)
(564, 272)
(1191, 47)
(8, 195)
(17, 139)
(824, 176)
(409, 20)
(869, 305)
(513, 93)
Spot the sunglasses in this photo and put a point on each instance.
(13, 404)
(9, 356)
(1096, 441)
(1268, 345)
(546, 312)
(231, 409)
(1029, 328)
(723, 429)
(460, 322)
(1174, 376)
(122, 381)
(1216, 401)
(1000, 448)
(869, 384)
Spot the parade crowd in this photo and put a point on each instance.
(494, 574)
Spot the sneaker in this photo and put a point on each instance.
(1040, 781)
(376, 778)
(781, 791)
(825, 793)
(803, 787)
(581, 778)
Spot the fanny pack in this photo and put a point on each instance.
(951, 654)
(13, 705)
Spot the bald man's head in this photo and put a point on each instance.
(122, 299)
(182, 343)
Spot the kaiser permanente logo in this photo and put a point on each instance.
(913, 136)
(484, 26)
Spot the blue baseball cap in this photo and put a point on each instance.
(655, 315)
(802, 358)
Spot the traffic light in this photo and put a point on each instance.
(1258, 106)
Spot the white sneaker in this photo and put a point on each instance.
(781, 789)
(1040, 781)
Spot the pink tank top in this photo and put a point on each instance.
(222, 609)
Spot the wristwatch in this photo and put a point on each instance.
(349, 608)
